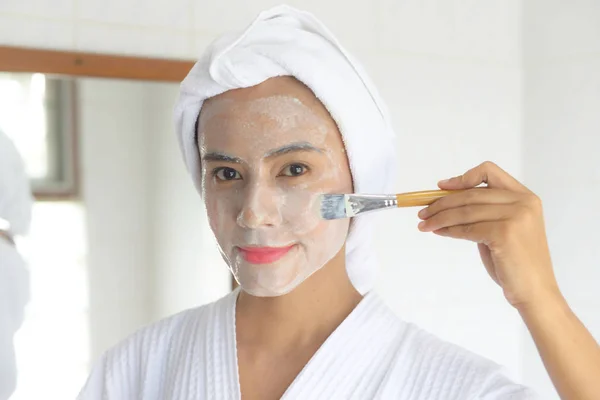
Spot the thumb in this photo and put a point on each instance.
(488, 173)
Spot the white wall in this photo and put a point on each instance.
(562, 144)
(452, 73)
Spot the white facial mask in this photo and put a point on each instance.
(267, 223)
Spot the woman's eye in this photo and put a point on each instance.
(227, 174)
(294, 170)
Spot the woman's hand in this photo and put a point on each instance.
(506, 221)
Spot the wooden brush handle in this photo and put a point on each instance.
(422, 198)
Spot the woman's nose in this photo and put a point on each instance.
(261, 208)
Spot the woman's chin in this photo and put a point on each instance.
(269, 280)
(257, 291)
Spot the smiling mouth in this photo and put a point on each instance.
(263, 255)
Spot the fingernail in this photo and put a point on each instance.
(421, 225)
(444, 181)
(422, 213)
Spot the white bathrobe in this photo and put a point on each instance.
(371, 355)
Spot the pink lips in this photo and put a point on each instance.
(263, 255)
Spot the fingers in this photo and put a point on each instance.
(466, 215)
(485, 215)
(469, 197)
(487, 172)
(485, 232)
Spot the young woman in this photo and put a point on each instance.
(268, 120)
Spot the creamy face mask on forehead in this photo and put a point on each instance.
(265, 161)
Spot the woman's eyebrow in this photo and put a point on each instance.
(291, 148)
(221, 157)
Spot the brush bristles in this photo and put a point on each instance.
(333, 206)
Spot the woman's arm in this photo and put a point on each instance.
(506, 221)
(569, 352)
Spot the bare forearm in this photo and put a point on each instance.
(569, 352)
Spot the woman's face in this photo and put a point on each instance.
(267, 154)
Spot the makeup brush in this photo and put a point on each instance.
(335, 206)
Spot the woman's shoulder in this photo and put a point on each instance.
(153, 349)
(447, 370)
(157, 336)
(187, 323)
(421, 344)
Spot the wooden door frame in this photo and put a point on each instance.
(22, 59)
(92, 65)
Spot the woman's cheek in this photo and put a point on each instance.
(302, 203)
(302, 214)
(300, 210)
(218, 210)
(211, 207)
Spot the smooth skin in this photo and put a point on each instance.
(506, 221)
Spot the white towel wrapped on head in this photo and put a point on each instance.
(284, 41)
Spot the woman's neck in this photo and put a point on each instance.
(308, 314)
